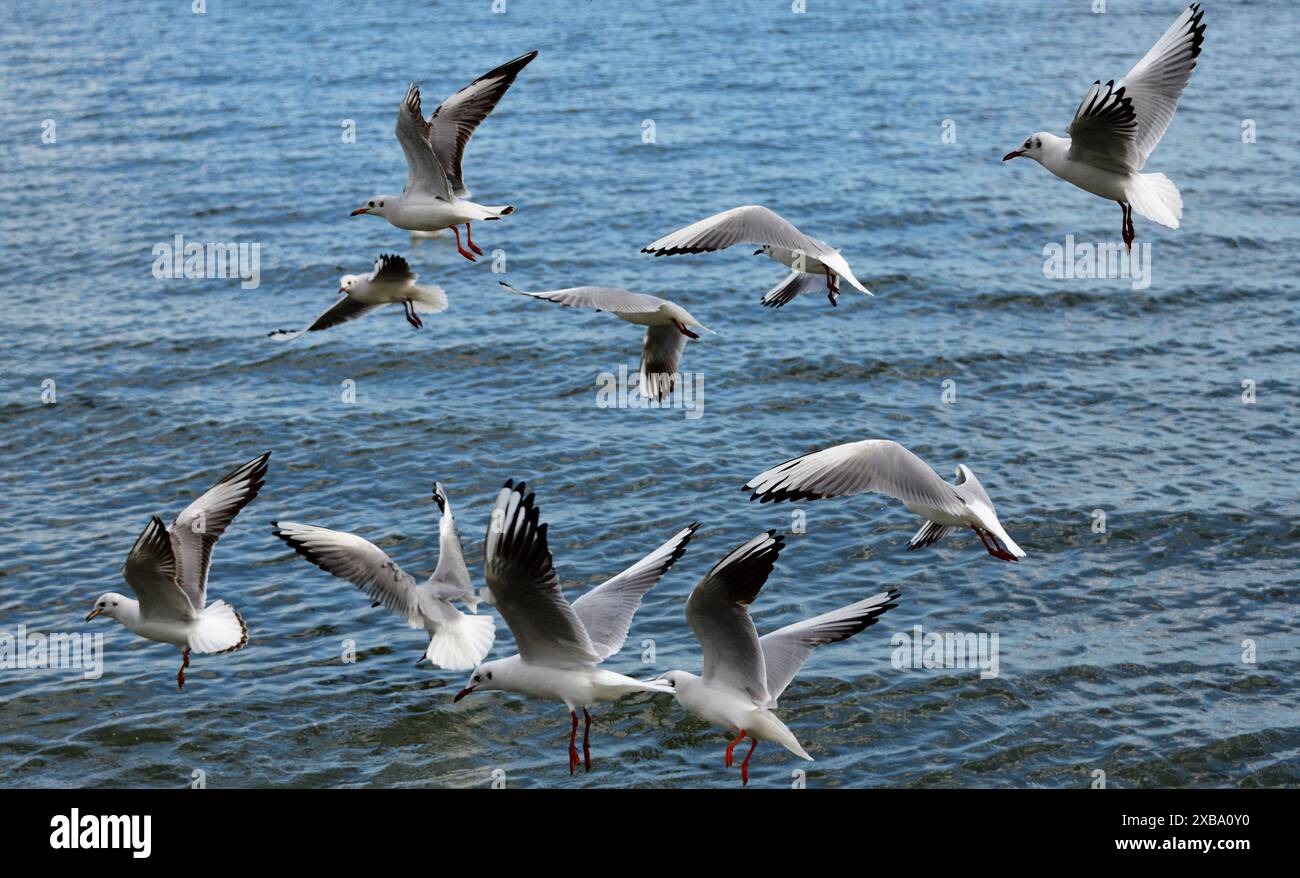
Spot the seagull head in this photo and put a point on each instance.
(761, 250)
(107, 605)
(375, 205)
(348, 281)
(679, 680)
(486, 676)
(1031, 148)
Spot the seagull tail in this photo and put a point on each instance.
(429, 299)
(461, 644)
(218, 629)
(1155, 197)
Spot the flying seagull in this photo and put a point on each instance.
(391, 281)
(561, 645)
(668, 326)
(435, 194)
(1118, 124)
(167, 570)
(811, 261)
(745, 674)
(886, 467)
(456, 641)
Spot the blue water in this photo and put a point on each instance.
(1120, 652)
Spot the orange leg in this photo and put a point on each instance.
(463, 252)
(732, 746)
(469, 239)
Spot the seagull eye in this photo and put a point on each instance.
(381, 204)
(489, 675)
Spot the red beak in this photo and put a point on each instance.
(461, 694)
(1013, 154)
(360, 210)
(93, 613)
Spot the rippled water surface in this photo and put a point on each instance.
(1119, 651)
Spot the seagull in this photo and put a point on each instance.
(886, 467)
(456, 641)
(1117, 125)
(667, 327)
(435, 193)
(745, 674)
(391, 281)
(167, 570)
(561, 644)
(811, 260)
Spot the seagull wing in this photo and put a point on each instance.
(357, 560)
(752, 224)
(454, 122)
(1117, 125)
(607, 610)
(877, 465)
(345, 309)
(196, 530)
(615, 301)
(424, 173)
(451, 579)
(525, 589)
(718, 613)
(659, 360)
(786, 649)
(151, 571)
(1157, 81)
(392, 269)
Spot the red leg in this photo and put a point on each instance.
(185, 663)
(832, 287)
(586, 731)
(463, 252)
(732, 746)
(469, 239)
(684, 331)
(1128, 227)
(411, 317)
(744, 766)
(573, 737)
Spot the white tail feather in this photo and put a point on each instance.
(461, 644)
(429, 300)
(1155, 197)
(218, 629)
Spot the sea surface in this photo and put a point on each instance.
(1140, 443)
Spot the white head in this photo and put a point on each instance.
(376, 205)
(1033, 146)
(111, 605)
(348, 282)
(489, 675)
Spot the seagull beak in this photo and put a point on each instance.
(758, 252)
(360, 210)
(1013, 154)
(93, 613)
(461, 694)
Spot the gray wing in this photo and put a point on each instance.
(424, 173)
(451, 579)
(455, 121)
(659, 360)
(751, 224)
(391, 268)
(607, 610)
(1117, 125)
(196, 530)
(878, 465)
(718, 613)
(786, 649)
(793, 285)
(615, 301)
(151, 571)
(1157, 81)
(345, 309)
(525, 590)
(357, 560)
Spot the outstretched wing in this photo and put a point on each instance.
(786, 649)
(342, 311)
(607, 610)
(424, 173)
(454, 122)
(751, 224)
(525, 590)
(718, 613)
(196, 530)
(357, 560)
